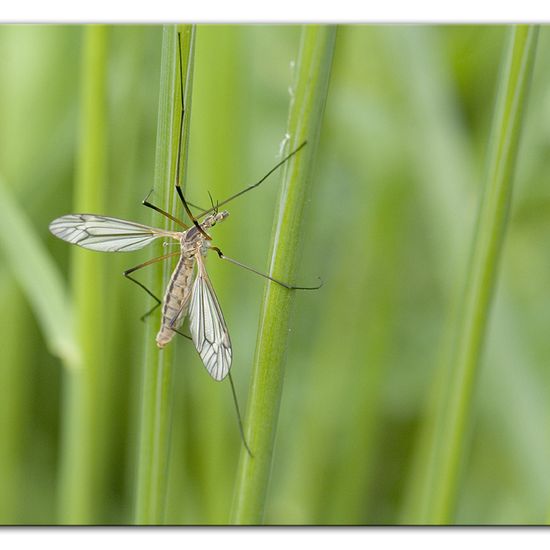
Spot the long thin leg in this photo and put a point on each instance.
(180, 141)
(235, 401)
(250, 187)
(145, 202)
(200, 208)
(182, 334)
(286, 285)
(239, 418)
(140, 284)
(178, 163)
(158, 302)
(190, 214)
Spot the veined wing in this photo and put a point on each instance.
(105, 234)
(207, 325)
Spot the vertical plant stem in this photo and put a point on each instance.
(221, 65)
(81, 458)
(25, 257)
(157, 398)
(308, 98)
(453, 419)
(13, 369)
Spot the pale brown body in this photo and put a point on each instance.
(176, 299)
(178, 293)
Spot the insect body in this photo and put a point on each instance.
(189, 292)
(207, 325)
(184, 296)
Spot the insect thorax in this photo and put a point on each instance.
(193, 241)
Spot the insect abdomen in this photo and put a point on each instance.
(176, 301)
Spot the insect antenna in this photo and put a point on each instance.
(239, 414)
(250, 187)
(215, 207)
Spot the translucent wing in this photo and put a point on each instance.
(207, 326)
(105, 234)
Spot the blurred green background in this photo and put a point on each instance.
(388, 228)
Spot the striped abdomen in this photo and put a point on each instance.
(176, 300)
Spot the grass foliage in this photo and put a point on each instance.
(408, 146)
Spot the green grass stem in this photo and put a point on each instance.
(400, 404)
(308, 97)
(218, 133)
(82, 467)
(157, 392)
(14, 368)
(48, 298)
(453, 424)
(27, 256)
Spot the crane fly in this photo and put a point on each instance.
(184, 296)
(189, 293)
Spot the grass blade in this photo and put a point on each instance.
(157, 397)
(306, 111)
(449, 436)
(26, 256)
(220, 87)
(81, 464)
